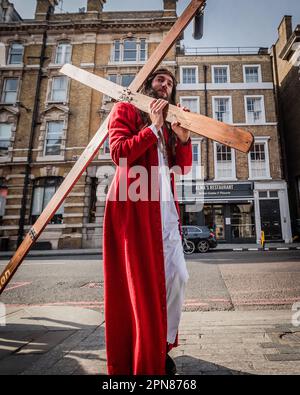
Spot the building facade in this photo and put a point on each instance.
(46, 120)
(243, 194)
(286, 64)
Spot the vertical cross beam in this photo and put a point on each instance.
(93, 147)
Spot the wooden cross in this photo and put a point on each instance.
(225, 134)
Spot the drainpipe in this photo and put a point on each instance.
(31, 138)
(205, 69)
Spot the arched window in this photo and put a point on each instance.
(43, 190)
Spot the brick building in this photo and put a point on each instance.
(243, 194)
(46, 120)
(286, 64)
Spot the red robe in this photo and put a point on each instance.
(134, 276)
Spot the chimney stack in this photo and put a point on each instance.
(44, 8)
(95, 6)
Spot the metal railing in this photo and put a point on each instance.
(222, 50)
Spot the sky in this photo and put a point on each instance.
(227, 23)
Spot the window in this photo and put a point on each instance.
(43, 191)
(59, 89)
(63, 53)
(93, 200)
(10, 89)
(222, 109)
(105, 147)
(220, 74)
(189, 75)
(130, 50)
(5, 138)
(126, 79)
(252, 74)
(255, 110)
(259, 160)
(53, 139)
(192, 103)
(3, 197)
(16, 54)
(224, 162)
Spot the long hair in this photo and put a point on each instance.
(147, 90)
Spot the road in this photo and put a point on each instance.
(218, 281)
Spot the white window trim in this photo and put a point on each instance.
(181, 76)
(181, 98)
(259, 73)
(64, 54)
(213, 67)
(54, 157)
(21, 64)
(233, 169)
(138, 50)
(9, 149)
(261, 140)
(50, 91)
(189, 176)
(230, 106)
(17, 91)
(102, 154)
(263, 121)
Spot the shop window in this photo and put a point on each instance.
(242, 221)
(43, 191)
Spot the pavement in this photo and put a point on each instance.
(220, 248)
(66, 340)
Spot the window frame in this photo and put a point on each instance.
(10, 54)
(121, 51)
(4, 91)
(10, 138)
(41, 182)
(214, 67)
(181, 99)
(233, 165)
(262, 121)
(46, 139)
(259, 73)
(196, 75)
(64, 53)
(56, 77)
(265, 141)
(230, 121)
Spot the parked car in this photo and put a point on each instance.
(202, 238)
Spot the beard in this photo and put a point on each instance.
(158, 94)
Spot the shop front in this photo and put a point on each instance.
(239, 212)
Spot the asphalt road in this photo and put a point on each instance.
(218, 281)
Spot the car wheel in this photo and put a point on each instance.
(203, 246)
(188, 247)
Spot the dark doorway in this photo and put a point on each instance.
(270, 219)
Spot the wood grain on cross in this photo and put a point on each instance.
(95, 144)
